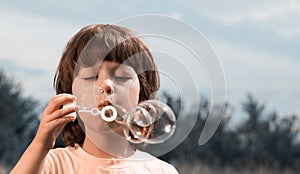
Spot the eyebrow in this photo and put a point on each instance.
(125, 68)
(85, 70)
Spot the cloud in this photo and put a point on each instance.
(33, 41)
(176, 15)
(270, 77)
(9, 66)
(279, 17)
(30, 49)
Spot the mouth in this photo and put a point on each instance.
(104, 103)
(113, 125)
(108, 113)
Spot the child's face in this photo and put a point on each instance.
(119, 83)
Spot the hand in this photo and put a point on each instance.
(54, 118)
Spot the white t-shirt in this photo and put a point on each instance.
(71, 160)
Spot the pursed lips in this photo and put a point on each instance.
(104, 103)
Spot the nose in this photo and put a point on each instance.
(106, 86)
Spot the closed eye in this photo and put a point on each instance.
(122, 78)
(91, 78)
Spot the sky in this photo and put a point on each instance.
(257, 42)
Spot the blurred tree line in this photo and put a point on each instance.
(263, 138)
(18, 120)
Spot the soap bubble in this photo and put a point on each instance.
(152, 122)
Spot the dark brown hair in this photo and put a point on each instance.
(100, 42)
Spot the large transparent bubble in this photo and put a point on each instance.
(180, 56)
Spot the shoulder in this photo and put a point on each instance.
(60, 159)
(61, 153)
(154, 165)
(162, 166)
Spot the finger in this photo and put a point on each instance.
(59, 123)
(61, 113)
(57, 101)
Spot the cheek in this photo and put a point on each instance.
(127, 95)
(85, 95)
(134, 92)
(75, 87)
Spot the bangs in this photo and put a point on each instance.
(111, 44)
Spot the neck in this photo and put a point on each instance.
(105, 146)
